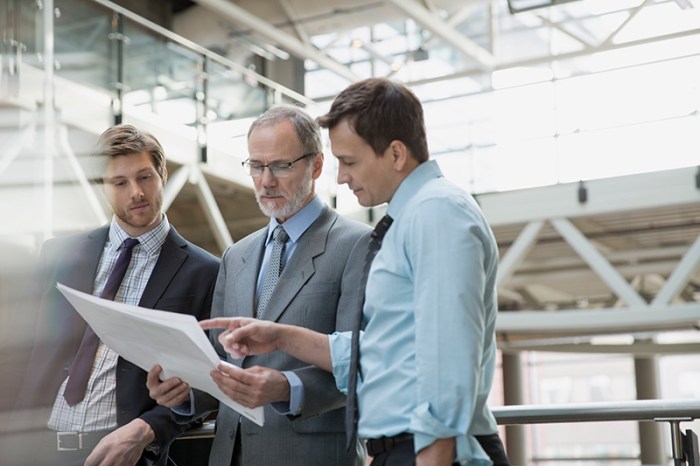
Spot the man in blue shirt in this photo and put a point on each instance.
(428, 350)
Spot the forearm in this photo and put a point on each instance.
(306, 345)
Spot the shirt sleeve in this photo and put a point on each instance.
(340, 347)
(446, 255)
(186, 408)
(296, 396)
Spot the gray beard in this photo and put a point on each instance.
(293, 204)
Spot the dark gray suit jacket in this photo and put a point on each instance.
(318, 289)
(182, 281)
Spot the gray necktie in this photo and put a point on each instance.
(274, 269)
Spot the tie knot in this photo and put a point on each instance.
(129, 244)
(280, 234)
(381, 227)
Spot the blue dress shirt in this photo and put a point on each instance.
(427, 354)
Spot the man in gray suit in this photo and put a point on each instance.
(316, 287)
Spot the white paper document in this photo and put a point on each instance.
(147, 337)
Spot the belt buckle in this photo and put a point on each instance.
(69, 441)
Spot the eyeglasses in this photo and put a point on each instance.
(277, 169)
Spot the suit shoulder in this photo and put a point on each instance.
(67, 243)
(201, 254)
(351, 227)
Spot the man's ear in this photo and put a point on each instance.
(318, 166)
(398, 152)
(165, 175)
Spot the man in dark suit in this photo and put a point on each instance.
(317, 288)
(113, 421)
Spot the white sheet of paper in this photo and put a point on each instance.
(147, 337)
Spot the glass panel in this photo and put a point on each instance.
(160, 77)
(232, 96)
(82, 45)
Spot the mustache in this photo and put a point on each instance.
(270, 192)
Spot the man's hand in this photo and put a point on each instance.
(244, 336)
(439, 453)
(170, 393)
(124, 446)
(252, 387)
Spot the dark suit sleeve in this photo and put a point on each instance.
(190, 291)
(204, 403)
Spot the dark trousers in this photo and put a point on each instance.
(402, 454)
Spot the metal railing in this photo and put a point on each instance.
(684, 445)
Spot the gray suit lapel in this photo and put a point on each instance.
(245, 276)
(300, 267)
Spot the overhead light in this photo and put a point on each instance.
(684, 4)
(373, 52)
(420, 54)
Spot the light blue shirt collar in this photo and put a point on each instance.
(423, 173)
(297, 224)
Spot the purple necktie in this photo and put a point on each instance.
(79, 371)
(352, 413)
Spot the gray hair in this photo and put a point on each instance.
(308, 131)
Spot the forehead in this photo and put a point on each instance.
(276, 141)
(123, 165)
(346, 142)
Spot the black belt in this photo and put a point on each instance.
(75, 441)
(377, 446)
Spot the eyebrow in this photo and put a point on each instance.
(150, 170)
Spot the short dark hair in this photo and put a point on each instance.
(306, 128)
(121, 140)
(381, 111)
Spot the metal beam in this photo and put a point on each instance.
(599, 321)
(294, 19)
(680, 276)
(597, 262)
(609, 195)
(235, 13)
(87, 188)
(176, 181)
(438, 27)
(633, 12)
(520, 248)
(211, 210)
(575, 346)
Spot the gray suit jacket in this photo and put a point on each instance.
(318, 289)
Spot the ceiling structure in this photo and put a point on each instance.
(636, 249)
(618, 244)
(456, 38)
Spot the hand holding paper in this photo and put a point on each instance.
(148, 337)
